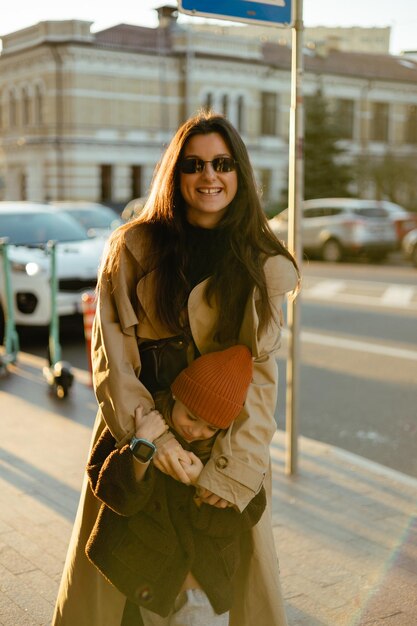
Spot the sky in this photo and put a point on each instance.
(401, 15)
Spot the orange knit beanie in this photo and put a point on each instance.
(214, 386)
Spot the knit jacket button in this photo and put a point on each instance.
(144, 594)
(222, 462)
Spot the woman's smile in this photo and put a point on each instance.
(210, 190)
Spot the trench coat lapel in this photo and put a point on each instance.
(202, 319)
(149, 325)
(202, 316)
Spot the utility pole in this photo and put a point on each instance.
(295, 198)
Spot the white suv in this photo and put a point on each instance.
(333, 228)
(28, 227)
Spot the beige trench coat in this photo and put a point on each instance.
(85, 598)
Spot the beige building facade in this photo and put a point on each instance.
(373, 40)
(86, 116)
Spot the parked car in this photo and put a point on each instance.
(333, 228)
(133, 208)
(98, 220)
(403, 220)
(409, 246)
(28, 227)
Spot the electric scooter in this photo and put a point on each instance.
(58, 374)
(11, 338)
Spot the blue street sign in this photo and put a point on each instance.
(269, 12)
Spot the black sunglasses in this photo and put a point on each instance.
(194, 165)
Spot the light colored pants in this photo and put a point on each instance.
(192, 608)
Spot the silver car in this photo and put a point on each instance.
(333, 228)
(97, 219)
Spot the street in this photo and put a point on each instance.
(358, 363)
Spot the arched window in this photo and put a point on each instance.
(379, 123)
(225, 105)
(12, 109)
(23, 186)
(240, 114)
(208, 103)
(411, 124)
(269, 113)
(25, 107)
(38, 105)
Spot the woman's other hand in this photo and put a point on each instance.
(171, 458)
(149, 426)
(209, 497)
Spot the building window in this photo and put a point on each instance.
(23, 186)
(12, 110)
(208, 102)
(38, 105)
(106, 183)
(269, 118)
(136, 181)
(379, 122)
(225, 105)
(240, 114)
(411, 125)
(345, 118)
(25, 107)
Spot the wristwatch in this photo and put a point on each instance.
(142, 449)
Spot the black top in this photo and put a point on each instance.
(204, 247)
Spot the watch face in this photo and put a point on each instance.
(143, 450)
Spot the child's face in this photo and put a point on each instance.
(188, 426)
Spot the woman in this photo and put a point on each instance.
(199, 263)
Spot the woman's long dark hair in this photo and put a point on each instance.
(250, 239)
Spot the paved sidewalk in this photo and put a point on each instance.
(345, 528)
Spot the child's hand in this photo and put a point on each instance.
(193, 469)
(211, 498)
(149, 426)
(171, 458)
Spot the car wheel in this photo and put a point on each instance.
(332, 251)
(414, 256)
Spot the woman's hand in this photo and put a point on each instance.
(149, 426)
(194, 468)
(209, 497)
(171, 458)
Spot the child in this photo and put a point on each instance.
(168, 553)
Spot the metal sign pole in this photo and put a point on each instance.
(295, 198)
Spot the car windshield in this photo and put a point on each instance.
(32, 229)
(371, 212)
(95, 218)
